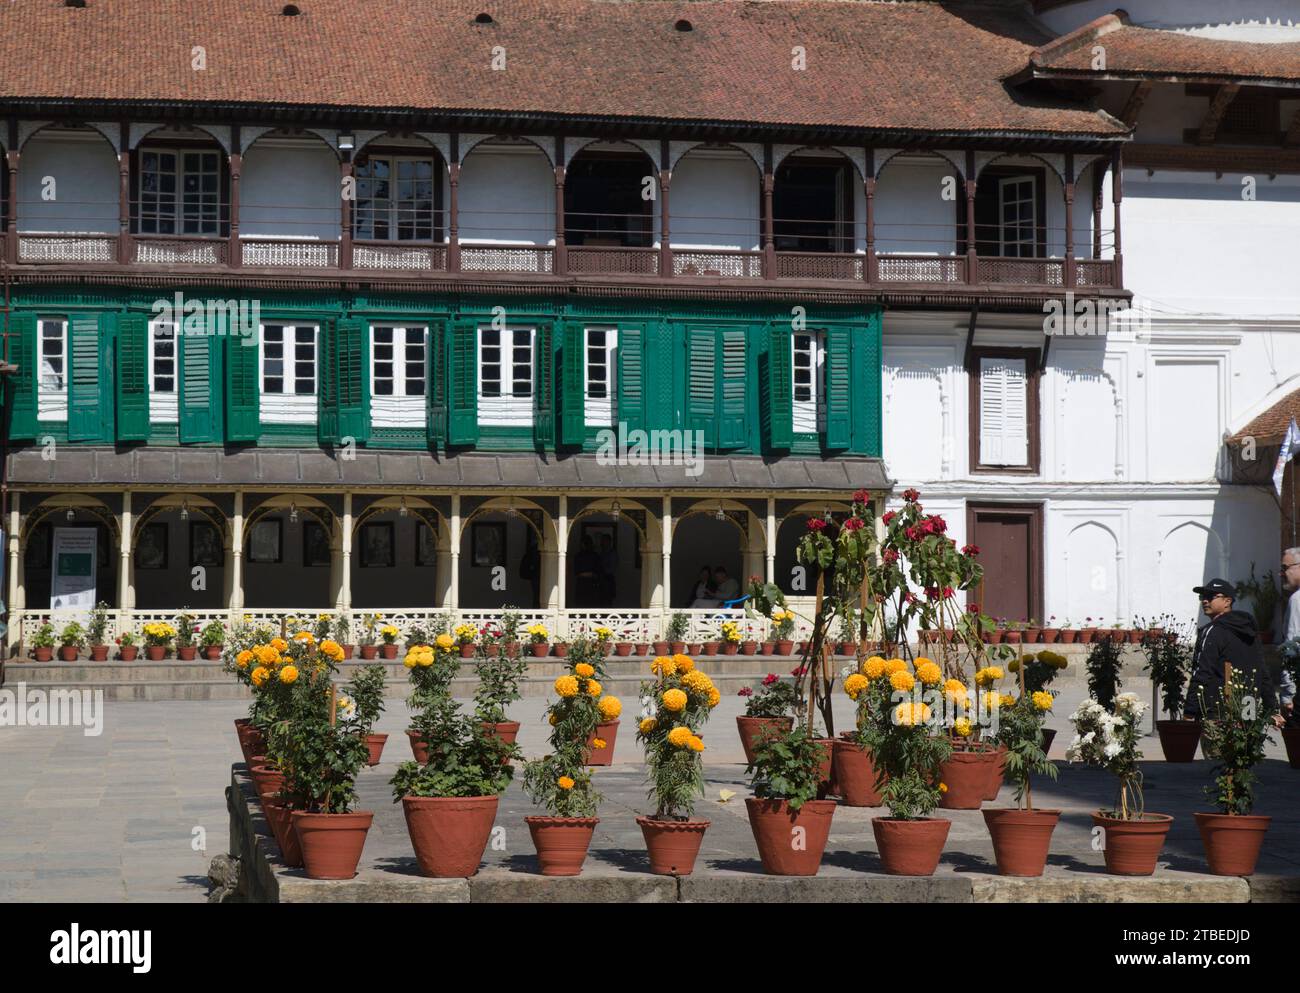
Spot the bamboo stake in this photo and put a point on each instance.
(1029, 793)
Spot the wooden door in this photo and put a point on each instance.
(1009, 537)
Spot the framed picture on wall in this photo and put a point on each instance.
(488, 546)
(264, 542)
(315, 544)
(426, 545)
(377, 545)
(205, 545)
(151, 548)
(597, 530)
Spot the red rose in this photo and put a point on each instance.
(911, 495)
(932, 593)
(815, 524)
(862, 496)
(770, 678)
(974, 608)
(853, 523)
(744, 691)
(914, 533)
(888, 516)
(910, 597)
(890, 556)
(970, 549)
(947, 592)
(797, 673)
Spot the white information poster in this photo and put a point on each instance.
(72, 586)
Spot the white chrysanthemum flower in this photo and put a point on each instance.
(1111, 750)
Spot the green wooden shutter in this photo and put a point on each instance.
(243, 391)
(778, 389)
(573, 414)
(867, 388)
(631, 394)
(132, 377)
(23, 353)
(327, 381)
(435, 388)
(85, 403)
(462, 408)
(839, 399)
(701, 383)
(544, 387)
(200, 415)
(352, 381)
(733, 386)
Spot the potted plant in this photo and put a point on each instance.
(560, 781)
(972, 770)
(498, 687)
(366, 692)
(855, 772)
(389, 634)
(96, 628)
(768, 711)
(1103, 664)
(71, 640)
(432, 668)
(677, 627)
(538, 641)
(604, 639)
(1033, 631)
(341, 629)
(1108, 739)
(782, 629)
(1039, 671)
(212, 637)
(369, 648)
(1088, 630)
(641, 648)
(561, 649)
(1068, 634)
(730, 638)
(1264, 596)
(682, 697)
(1013, 632)
(185, 630)
(158, 637)
(1169, 664)
(1236, 729)
(126, 646)
(1022, 836)
(1050, 632)
(509, 632)
(586, 665)
(787, 771)
(489, 636)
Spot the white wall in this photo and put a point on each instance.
(290, 189)
(715, 201)
(1241, 20)
(911, 215)
(507, 196)
(85, 173)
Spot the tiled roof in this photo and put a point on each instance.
(910, 66)
(370, 470)
(1138, 51)
(1270, 427)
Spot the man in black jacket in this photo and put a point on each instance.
(1229, 637)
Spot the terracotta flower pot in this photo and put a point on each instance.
(251, 740)
(997, 772)
(281, 824)
(1012, 637)
(1135, 636)
(767, 648)
(1291, 738)
(1021, 839)
(910, 848)
(467, 651)
(1232, 841)
(1050, 635)
(673, 845)
(641, 648)
(369, 652)
(678, 647)
(607, 731)
(332, 843)
(388, 651)
(710, 648)
(1178, 739)
(661, 647)
(212, 652)
(128, 652)
(67, 653)
(731, 648)
(348, 650)
(827, 785)
(1068, 636)
(155, 653)
(449, 834)
(697, 648)
(375, 742)
(491, 651)
(561, 842)
(1032, 635)
(785, 647)
(187, 653)
(42, 654)
(539, 649)
(967, 776)
(749, 648)
(561, 649)
(419, 748)
(268, 781)
(1132, 847)
(855, 772)
(507, 731)
(774, 825)
(1087, 635)
(751, 730)
(623, 648)
(99, 653)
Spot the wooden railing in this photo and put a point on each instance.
(45, 249)
(592, 260)
(167, 249)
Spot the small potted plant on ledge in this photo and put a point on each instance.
(369, 646)
(389, 634)
(185, 647)
(1067, 633)
(509, 632)
(787, 773)
(498, 687)
(126, 646)
(1109, 740)
(1022, 836)
(782, 630)
(770, 710)
(604, 639)
(43, 642)
(96, 629)
(677, 628)
(1236, 729)
(341, 630)
(1169, 663)
(71, 640)
(489, 640)
(212, 638)
(432, 668)
(539, 641)
(682, 697)
(366, 691)
(730, 637)
(158, 637)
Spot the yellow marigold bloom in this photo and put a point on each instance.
(1042, 700)
(1008, 700)
(564, 783)
(988, 676)
(446, 642)
(267, 654)
(611, 706)
(992, 701)
(928, 673)
(331, 649)
(963, 727)
(243, 658)
(567, 686)
(680, 736)
(911, 714)
(260, 675)
(305, 636)
(674, 699)
(279, 644)
(895, 665)
(593, 688)
(598, 743)
(647, 725)
(696, 743)
(715, 697)
(684, 663)
(663, 666)
(902, 681)
(955, 690)
(943, 787)
(697, 681)
(409, 661)
(288, 674)
(425, 658)
(873, 667)
(855, 684)
(584, 670)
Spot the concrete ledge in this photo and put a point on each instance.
(1274, 889)
(859, 888)
(597, 884)
(1168, 887)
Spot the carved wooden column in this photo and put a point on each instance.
(972, 186)
(1117, 197)
(11, 161)
(869, 191)
(665, 176)
(1098, 178)
(453, 207)
(345, 234)
(124, 250)
(1070, 272)
(769, 238)
(235, 254)
(561, 265)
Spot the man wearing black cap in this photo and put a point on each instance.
(1229, 637)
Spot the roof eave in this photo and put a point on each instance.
(1154, 76)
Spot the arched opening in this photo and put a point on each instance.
(813, 203)
(289, 555)
(76, 540)
(604, 197)
(289, 211)
(398, 558)
(501, 560)
(716, 190)
(400, 191)
(1019, 209)
(909, 218)
(507, 194)
(700, 542)
(178, 555)
(180, 188)
(67, 196)
(793, 578)
(605, 562)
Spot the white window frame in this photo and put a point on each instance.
(164, 405)
(1015, 247)
(394, 212)
(808, 415)
(196, 215)
(1004, 412)
(52, 393)
(282, 407)
(399, 409)
(600, 411)
(506, 409)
